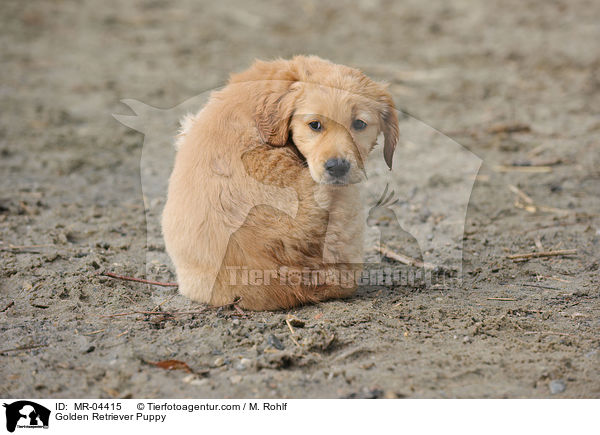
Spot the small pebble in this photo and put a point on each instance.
(557, 386)
(235, 379)
(219, 361)
(275, 342)
(391, 395)
(296, 322)
(194, 380)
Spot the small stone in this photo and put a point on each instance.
(235, 322)
(194, 380)
(235, 379)
(275, 342)
(557, 386)
(296, 322)
(51, 257)
(240, 366)
(219, 361)
(466, 339)
(390, 395)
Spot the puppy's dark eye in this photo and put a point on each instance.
(315, 125)
(359, 124)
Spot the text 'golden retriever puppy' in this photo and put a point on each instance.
(264, 201)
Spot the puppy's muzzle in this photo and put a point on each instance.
(337, 168)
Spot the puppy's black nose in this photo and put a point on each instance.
(337, 167)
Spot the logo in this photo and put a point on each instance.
(26, 414)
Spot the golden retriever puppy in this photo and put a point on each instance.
(264, 203)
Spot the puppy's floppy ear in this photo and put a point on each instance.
(272, 92)
(389, 127)
(274, 112)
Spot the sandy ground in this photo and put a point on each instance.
(516, 83)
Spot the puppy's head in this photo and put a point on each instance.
(332, 114)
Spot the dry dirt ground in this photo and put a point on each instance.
(517, 83)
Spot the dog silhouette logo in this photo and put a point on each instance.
(26, 414)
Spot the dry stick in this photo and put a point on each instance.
(521, 194)
(287, 321)
(156, 313)
(524, 169)
(543, 254)
(33, 346)
(163, 302)
(95, 332)
(144, 281)
(23, 249)
(549, 333)
(11, 246)
(177, 313)
(539, 286)
(509, 128)
(404, 259)
(10, 304)
(239, 311)
(20, 251)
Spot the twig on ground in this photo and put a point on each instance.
(95, 332)
(289, 324)
(539, 286)
(23, 249)
(549, 333)
(239, 311)
(516, 127)
(156, 313)
(144, 281)
(29, 347)
(524, 169)
(521, 194)
(549, 161)
(404, 259)
(529, 255)
(163, 302)
(235, 306)
(10, 304)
